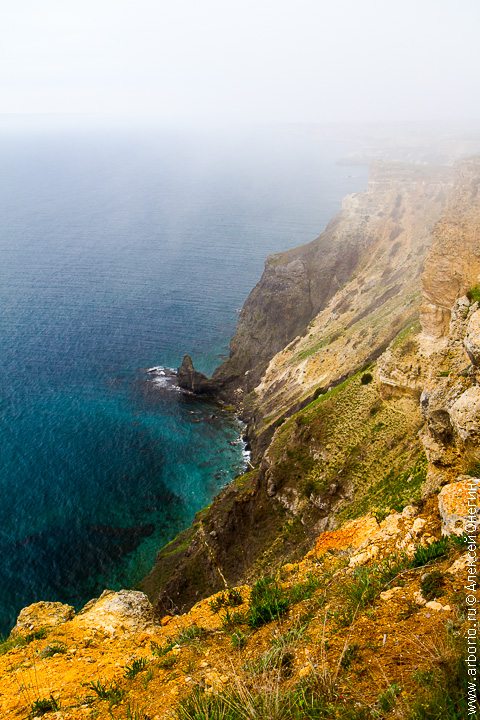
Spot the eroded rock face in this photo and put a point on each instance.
(472, 338)
(453, 264)
(42, 615)
(465, 415)
(454, 501)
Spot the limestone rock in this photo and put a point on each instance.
(472, 338)
(453, 505)
(388, 594)
(42, 615)
(465, 415)
(125, 610)
(434, 605)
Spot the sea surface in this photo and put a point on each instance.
(120, 249)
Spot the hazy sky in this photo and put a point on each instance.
(251, 60)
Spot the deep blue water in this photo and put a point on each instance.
(120, 250)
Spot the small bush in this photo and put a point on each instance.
(230, 620)
(349, 655)
(42, 706)
(39, 634)
(56, 648)
(474, 294)
(136, 667)
(474, 470)
(134, 713)
(425, 554)
(304, 590)
(386, 700)
(113, 693)
(431, 584)
(190, 633)
(267, 602)
(366, 378)
(230, 598)
(239, 640)
(161, 650)
(444, 688)
(168, 662)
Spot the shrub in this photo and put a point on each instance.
(444, 691)
(304, 590)
(267, 602)
(168, 662)
(113, 693)
(42, 706)
(192, 632)
(239, 640)
(230, 598)
(431, 584)
(53, 649)
(386, 700)
(474, 294)
(136, 667)
(161, 650)
(349, 655)
(425, 554)
(366, 378)
(231, 619)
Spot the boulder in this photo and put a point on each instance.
(125, 610)
(465, 415)
(42, 615)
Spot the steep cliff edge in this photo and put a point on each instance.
(333, 438)
(322, 310)
(344, 542)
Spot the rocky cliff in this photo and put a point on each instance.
(338, 559)
(335, 418)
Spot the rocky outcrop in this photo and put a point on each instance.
(42, 616)
(194, 381)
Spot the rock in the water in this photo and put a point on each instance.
(42, 615)
(472, 338)
(465, 415)
(193, 380)
(454, 501)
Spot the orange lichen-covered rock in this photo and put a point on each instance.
(351, 535)
(42, 615)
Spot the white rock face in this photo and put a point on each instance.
(465, 415)
(125, 610)
(472, 338)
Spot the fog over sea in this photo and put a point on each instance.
(121, 249)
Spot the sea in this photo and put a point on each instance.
(123, 246)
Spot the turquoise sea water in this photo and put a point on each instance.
(121, 250)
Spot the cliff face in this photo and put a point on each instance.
(324, 309)
(323, 456)
(342, 501)
(453, 264)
